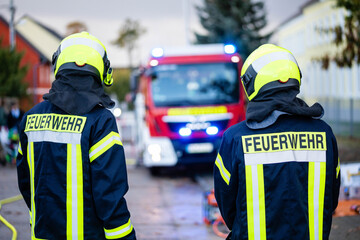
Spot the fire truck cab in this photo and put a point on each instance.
(185, 99)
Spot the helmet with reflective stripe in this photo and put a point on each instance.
(83, 52)
(269, 67)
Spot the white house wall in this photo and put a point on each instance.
(336, 88)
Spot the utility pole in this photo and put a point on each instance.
(12, 25)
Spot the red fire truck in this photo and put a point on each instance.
(185, 99)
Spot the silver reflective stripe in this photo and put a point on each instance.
(74, 193)
(262, 61)
(316, 198)
(83, 41)
(105, 144)
(223, 171)
(284, 156)
(256, 202)
(56, 137)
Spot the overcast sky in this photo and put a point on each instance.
(164, 20)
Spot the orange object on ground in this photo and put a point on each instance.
(344, 208)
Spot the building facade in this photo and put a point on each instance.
(38, 43)
(337, 89)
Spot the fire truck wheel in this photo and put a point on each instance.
(155, 171)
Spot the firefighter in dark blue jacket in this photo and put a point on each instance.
(71, 163)
(277, 173)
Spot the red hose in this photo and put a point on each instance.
(215, 228)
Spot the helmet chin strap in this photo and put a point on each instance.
(108, 80)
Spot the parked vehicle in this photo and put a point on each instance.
(185, 98)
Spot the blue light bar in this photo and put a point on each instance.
(157, 52)
(229, 49)
(184, 132)
(212, 130)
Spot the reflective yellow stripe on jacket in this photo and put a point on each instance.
(30, 159)
(65, 129)
(316, 193)
(338, 168)
(104, 144)
(255, 200)
(275, 148)
(223, 171)
(119, 232)
(74, 193)
(20, 149)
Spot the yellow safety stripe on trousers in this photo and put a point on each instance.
(74, 193)
(19, 149)
(223, 171)
(104, 144)
(255, 200)
(316, 188)
(119, 232)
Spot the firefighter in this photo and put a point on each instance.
(277, 174)
(71, 163)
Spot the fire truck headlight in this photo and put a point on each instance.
(212, 130)
(154, 149)
(155, 152)
(117, 112)
(229, 49)
(154, 62)
(235, 59)
(185, 131)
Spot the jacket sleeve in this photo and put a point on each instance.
(226, 180)
(336, 174)
(22, 166)
(109, 179)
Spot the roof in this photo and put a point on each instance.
(2, 19)
(42, 38)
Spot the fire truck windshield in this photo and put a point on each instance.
(195, 84)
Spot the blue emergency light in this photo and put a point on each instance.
(185, 132)
(157, 52)
(229, 49)
(212, 130)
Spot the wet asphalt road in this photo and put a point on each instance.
(166, 207)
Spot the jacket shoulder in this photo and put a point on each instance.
(307, 123)
(236, 131)
(40, 107)
(100, 113)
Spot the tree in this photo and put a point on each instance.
(11, 73)
(129, 33)
(75, 27)
(238, 22)
(347, 38)
(121, 84)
